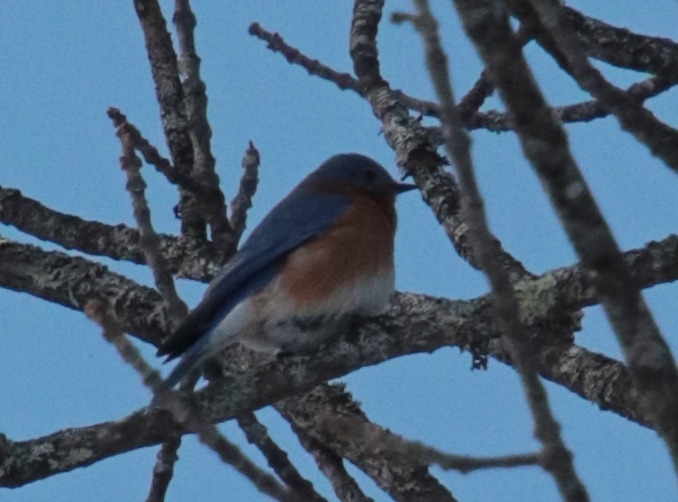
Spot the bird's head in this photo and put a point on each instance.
(358, 172)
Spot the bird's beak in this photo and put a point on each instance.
(403, 187)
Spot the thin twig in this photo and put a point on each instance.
(148, 239)
(163, 469)
(557, 459)
(342, 80)
(212, 199)
(100, 312)
(277, 458)
(470, 103)
(586, 111)
(332, 466)
(182, 412)
(242, 202)
(384, 442)
(150, 153)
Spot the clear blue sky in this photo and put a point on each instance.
(64, 63)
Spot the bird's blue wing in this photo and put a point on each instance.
(297, 218)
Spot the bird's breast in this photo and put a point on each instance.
(348, 269)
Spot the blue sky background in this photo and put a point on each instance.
(64, 63)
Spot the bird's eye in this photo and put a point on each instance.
(370, 175)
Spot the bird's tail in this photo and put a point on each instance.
(189, 361)
(225, 330)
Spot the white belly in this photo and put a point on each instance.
(291, 327)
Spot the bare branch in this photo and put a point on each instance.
(585, 111)
(491, 120)
(415, 152)
(22, 462)
(248, 390)
(229, 453)
(170, 97)
(623, 48)
(242, 202)
(148, 239)
(557, 458)
(212, 199)
(312, 66)
(416, 324)
(151, 154)
(401, 477)
(118, 242)
(546, 21)
(152, 426)
(595, 377)
(72, 281)
(471, 102)
(342, 80)
(545, 145)
(277, 458)
(163, 470)
(384, 442)
(100, 312)
(332, 466)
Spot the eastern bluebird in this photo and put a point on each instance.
(323, 254)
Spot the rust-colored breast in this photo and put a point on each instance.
(358, 245)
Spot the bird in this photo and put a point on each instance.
(321, 256)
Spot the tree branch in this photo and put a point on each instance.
(212, 200)
(599, 379)
(118, 242)
(556, 458)
(342, 80)
(142, 145)
(173, 114)
(416, 324)
(164, 469)
(545, 145)
(182, 413)
(400, 476)
(277, 458)
(548, 27)
(492, 120)
(623, 48)
(332, 466)
(72, 281)
(415, 152)
(148, 239)
(383, 442)
(585, 111)
(242, 202)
